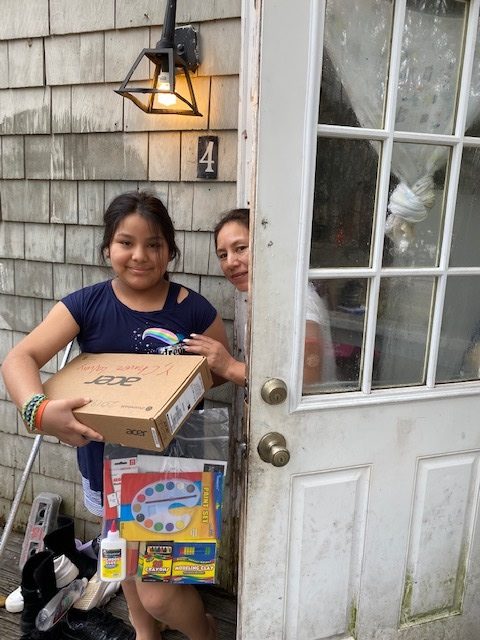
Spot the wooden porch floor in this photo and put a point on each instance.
(220, 604)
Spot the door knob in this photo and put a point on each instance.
(272, 448)
(274, 391)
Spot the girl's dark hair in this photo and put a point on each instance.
(242, 216)
(149, 207)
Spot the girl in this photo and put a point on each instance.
(112, 316)
(231, 236)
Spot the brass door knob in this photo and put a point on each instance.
(274, 391)
(272, 448)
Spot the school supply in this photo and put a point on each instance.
(168, 508)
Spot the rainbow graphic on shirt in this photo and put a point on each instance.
(172, 340)
(166, 336)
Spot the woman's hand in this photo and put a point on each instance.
(217, 355)
(58, 420)
(219, 359)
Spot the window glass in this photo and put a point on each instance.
(334, 335)
(355, 67)
(344, 202)
(465, 250)
(459, 354)
(416, 204)
(430, 65)
(402, 336)
(473, 113)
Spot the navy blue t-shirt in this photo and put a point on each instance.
(109, 326)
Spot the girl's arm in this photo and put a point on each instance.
(21, 373)
(213, 344)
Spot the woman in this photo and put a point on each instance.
(231, 236)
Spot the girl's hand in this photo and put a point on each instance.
(58, 420)
(218, 358)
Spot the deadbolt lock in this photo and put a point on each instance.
(274, 391)
(272, 448)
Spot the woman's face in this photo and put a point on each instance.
(233, 253)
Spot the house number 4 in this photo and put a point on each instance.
(207, 158)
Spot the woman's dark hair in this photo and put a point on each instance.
(149, 207)
(242, 216)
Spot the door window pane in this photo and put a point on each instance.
(404, 309)
(354, 74)
(473, 113)
(416, 204)
(344, 202)
(430, 65)
(465, 250)
(459, 354)
(335, 318)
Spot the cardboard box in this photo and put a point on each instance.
(178, 562)
(137, 400)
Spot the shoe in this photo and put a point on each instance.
(62, 542)
(14, 601)
(96, 594)
(90, 548)
(65, 572)
(52, 634)
(95, 624)
(37, 588)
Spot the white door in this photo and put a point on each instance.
(366, 185)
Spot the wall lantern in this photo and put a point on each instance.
(174, 56)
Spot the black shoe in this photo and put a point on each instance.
(55, 633)
(95, 624)
(38, 586)
(62, 542)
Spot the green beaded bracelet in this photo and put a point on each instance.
(29, 411)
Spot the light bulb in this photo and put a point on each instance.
(167, 99)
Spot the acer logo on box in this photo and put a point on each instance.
(135, 432)
(111, 380)
(147, 396)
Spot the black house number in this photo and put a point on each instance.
(207, 159)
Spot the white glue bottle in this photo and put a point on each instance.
(113, 556)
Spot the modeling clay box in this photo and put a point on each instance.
(137, 400)
(192, 562)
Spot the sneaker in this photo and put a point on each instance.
(95, 624)
(65, 572)
(14, 601)
(62, 542)
(38, 587)
(96, 594)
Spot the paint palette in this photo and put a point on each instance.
(163, 506)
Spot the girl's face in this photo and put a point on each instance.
(233, 253)
(138, 254)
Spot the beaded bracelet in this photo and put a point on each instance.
(29, 410)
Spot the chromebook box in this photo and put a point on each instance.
(137, 400)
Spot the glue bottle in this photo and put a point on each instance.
(113, 556)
